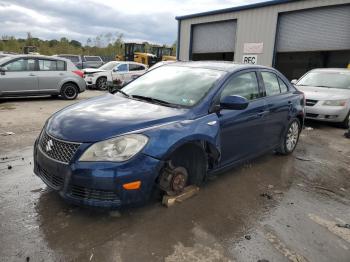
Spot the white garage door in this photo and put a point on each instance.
(319, 29)
(214, 37)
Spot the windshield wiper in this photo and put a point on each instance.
(122, 92)
(154, 100)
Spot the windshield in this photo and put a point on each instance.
(326, 79)
(109, 65)
(177, 85)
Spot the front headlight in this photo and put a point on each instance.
(116, 149)
(334, 103)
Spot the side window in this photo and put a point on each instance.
(21, 65)
(123, 68)
(61, 65)
(272, 86)
(47, 65)
(135, 67)
(245, 85)
(283, 86)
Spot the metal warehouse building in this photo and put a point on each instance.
(292, 36)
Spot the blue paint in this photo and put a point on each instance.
(236, 135)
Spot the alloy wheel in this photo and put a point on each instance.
(292, 136)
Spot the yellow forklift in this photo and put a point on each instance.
(163, 53)
(136, 52)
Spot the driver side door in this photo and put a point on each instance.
(242, 131)
(120, 72)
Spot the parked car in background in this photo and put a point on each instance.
(327, 93)
(169, 128)
(22, 75)
(4, 54)
(83, 61)
(97, 77)
(125, 72)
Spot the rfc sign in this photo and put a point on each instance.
(250, 59)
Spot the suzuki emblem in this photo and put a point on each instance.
(49, 145)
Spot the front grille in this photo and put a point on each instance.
(56, 182)
(56, 149)
(311, 115)
(93, 194)
(310, 102)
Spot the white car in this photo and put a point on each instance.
(114, 71)
(327, 93)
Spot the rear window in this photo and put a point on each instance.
(93, 58)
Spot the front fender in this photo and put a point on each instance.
(164, 139)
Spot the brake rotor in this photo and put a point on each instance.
(179, 180)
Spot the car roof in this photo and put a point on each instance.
(38, 56)
(66, 55)
(332, 70)
(218, 65)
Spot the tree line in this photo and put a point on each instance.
(105, 45)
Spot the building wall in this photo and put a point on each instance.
(253, 26)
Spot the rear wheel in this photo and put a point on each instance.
(69, 91)
(290, 138)
(101, 83)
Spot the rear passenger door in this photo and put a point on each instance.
(135, 70)
(20, 76)
(50, 74)
(242, 131)
(279, 103)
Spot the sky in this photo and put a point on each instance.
(147, 20)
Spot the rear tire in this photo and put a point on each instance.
(69, 91)
(290, 138)
(101, 83)
(346, 123)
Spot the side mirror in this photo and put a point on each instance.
(294, 81)
(234, 103)
(115, 69)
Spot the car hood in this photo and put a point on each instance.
(108, 116)
(324, 93)
(93, 70)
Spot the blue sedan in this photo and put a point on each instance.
(167, 129)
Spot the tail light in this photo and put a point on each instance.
(79, 73)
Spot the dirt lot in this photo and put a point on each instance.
(272, 209)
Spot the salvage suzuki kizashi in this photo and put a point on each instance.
(167, 129)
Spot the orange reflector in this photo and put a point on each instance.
(132, 185)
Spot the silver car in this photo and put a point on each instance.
(22, 75)
(327, 93)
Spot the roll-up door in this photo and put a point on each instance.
(214, 40)
(313, 38)
(318, 29)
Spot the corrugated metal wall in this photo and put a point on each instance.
(302, 30)
(253, 26)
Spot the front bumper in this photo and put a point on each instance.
(326, 113)
(98, 184)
